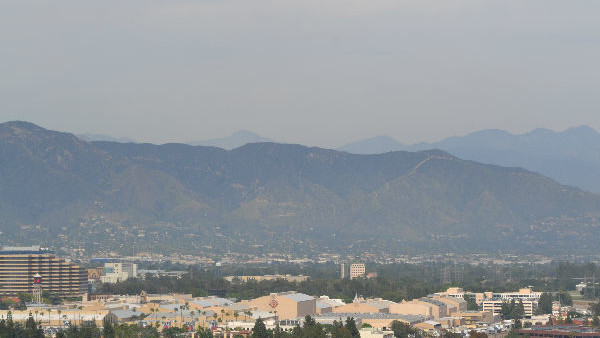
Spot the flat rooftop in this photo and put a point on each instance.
(22, 250)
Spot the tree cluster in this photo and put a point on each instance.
(512, 310)
(545, 304)
(10, 329)
(310, 329)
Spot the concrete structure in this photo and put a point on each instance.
(118, 272)
(357, 270)
(453, 304)
(286, 305)
(450, 322)
(326, 304)
(560, 331)
(95, 274)
(18, 265)
(37, 289)
(492, 301)
(359, 305)
(457, 292)
(427, 307)
(494, 305)
(428, 325)
(160, 273)
(375, 333)
(289, 278)
(342, 271)
(473, 317)
(524, 293)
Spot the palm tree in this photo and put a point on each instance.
(182, 307)
(152, 312)
(236, 315)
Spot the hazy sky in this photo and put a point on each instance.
(318, 72)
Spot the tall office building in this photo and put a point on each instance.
(19, 265)
(343, 271)
(357, 270)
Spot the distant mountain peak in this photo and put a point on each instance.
(235, 140)
(374, 145)
(583, 129)
(246, 133)
(101, 137)
(21, 125)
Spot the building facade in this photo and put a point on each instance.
(19, 265)
(286, 305)
(357, 270)
(118, 272)
(494, 305)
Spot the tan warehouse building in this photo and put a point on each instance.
(18, 265)
(286, 305)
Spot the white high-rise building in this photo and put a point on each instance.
(118, 272)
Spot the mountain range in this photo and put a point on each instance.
(102, 137)
(571, 157)
(235, 140)
(60, 190)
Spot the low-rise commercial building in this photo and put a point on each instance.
(427, 307)
(474, 317)
(453, 304)
(359, 305)
(286, 305)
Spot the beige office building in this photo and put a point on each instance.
(18, 265)
(357, 270)
(494, 305)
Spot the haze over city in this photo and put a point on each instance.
(309, 72)
(299, 169)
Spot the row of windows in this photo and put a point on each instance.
(65, 282)
(42, 272)
(65, 265)
(44, 276)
